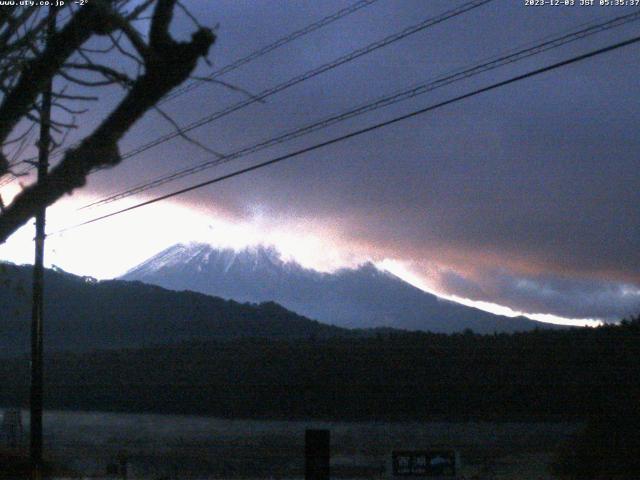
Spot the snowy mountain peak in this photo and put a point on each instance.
(202, 256)
(357, 298)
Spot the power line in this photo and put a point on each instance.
(243, 60)
(311, 74)
(385, 101)
(447, 79)
(365, 130)
(272, 46)
(305, 76)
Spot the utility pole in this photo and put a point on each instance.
(35, 404)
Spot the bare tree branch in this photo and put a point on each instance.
(230, 86)
(106, 72)
(167, 65)
(139, 10)
(38, 71)
(183, 135)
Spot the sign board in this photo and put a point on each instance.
(424, 463)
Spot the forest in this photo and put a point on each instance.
(391, 375)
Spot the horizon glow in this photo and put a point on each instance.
(93, 250)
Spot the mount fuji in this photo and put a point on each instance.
(364, 297)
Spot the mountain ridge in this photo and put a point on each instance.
(362, 297)
(83, 314)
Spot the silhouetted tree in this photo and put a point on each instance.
(30, 58)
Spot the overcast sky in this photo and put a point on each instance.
(525, 197)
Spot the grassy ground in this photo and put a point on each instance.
(159, 446)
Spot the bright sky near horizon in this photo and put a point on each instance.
(519, 200)
(98, 253)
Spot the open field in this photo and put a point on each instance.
(170, 446)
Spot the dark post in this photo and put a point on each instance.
(317, 454)
(38, 282)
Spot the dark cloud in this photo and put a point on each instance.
(566, 297)
(538, 181)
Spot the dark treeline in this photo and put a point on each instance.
(547, 374)
(84, 315)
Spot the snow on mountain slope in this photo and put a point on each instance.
(364, 297)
